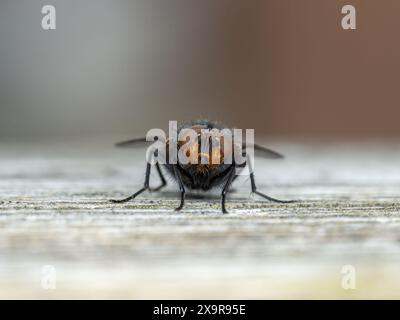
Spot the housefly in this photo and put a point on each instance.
(206, 166)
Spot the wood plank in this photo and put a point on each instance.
(54, 211)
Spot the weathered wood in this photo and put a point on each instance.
(54, 211)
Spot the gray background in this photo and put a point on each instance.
(283, 67)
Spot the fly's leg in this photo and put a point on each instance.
(250, 163)
(254, 190)
(225, 190)
(163, 181)
(181, 188)
(145, 187)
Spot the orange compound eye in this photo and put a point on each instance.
(193, 153)
(217, 156)
(194, 148)
(204, 158)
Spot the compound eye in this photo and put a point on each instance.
(192, 153)
(217, 150)
(204, 158)
(216, 156)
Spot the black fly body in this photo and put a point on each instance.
(199, 176)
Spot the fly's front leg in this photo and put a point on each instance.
(254, 187)
(145, 187)
(254, 190)
(225, 190)
(163, 181)
(181, 187)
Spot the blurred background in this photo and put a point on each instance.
(116, 68)
(112, 70)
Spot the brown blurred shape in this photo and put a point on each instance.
(316, 79)
(283, 67)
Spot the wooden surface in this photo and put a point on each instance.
(54, 212)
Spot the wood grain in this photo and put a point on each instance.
(54, 211)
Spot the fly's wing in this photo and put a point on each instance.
(259, 151)
(263, 152)
(143, 143)
(134, 143)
